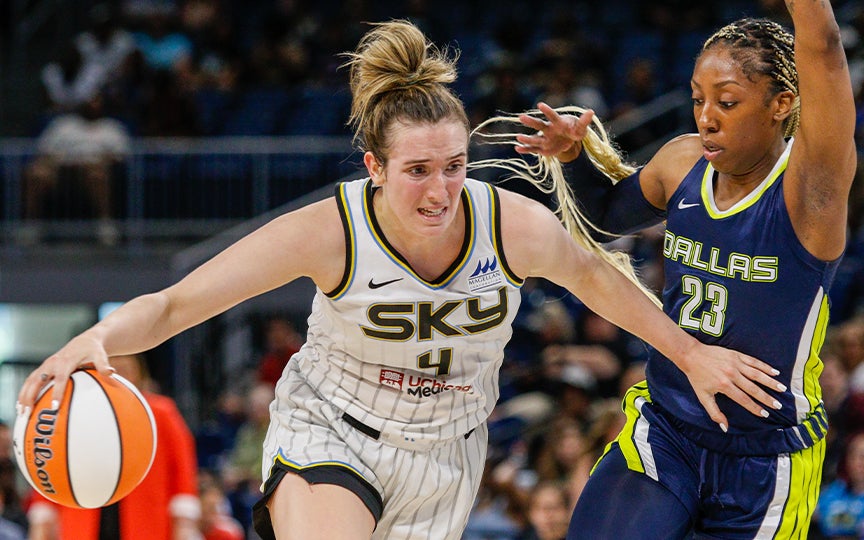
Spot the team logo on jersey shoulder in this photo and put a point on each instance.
(388, 377)
(487, 274)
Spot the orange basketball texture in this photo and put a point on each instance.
(94, 448)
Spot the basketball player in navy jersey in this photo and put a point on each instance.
(378, 429)
(755, 207)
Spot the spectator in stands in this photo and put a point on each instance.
(605, 422)
(242, 470)
(840, 511)
(217, 522)
(161, 40)
(840, 405)
(164, 505)
(548, 512)
(281, 341)
(69, 82)
(5, 440)
(498, 513)
(563, 443)
(12, 518)
(9, 530)
(105, 43)
(216, 437)
(77, 153)
(847, 340)
(167, 108)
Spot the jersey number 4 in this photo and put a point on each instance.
(442, 365)
(712, 317)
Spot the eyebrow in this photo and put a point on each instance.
(451, 158)
(720, 84)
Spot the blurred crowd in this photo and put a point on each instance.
(270, 67)
(225, 67)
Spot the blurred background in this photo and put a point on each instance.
(138, 138)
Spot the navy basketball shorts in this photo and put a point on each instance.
(728, 495)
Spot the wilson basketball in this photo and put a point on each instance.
(94, 448)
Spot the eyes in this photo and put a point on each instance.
(699, 102)
(422, 170)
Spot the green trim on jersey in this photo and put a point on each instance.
(746, 202)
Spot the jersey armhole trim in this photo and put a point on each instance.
(495, 208)
(348, 227)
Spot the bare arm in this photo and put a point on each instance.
(537, 245)
(306, 242)
(822, 163)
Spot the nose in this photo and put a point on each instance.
(436, 188)
(706, 120)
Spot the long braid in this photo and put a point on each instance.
(763, 47)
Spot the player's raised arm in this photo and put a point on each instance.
(823, 159)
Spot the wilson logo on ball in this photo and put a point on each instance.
(94, 448)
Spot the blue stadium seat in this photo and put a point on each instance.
(258, 112)
(318, 111)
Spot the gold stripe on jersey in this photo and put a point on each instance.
(396, 257)
(748, 201)
(297, 467)
(350, 243)
(814, 366)
(805, 476)
(627, 438)
(497, 242)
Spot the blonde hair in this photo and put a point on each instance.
(397, 75)
(548, 176)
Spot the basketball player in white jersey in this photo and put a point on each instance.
(378, 426)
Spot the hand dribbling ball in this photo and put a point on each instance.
(94, 448)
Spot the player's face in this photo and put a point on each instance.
(738, 123)
(423, 178)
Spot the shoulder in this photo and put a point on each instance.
(530, 232)
(310, 240)
(678, 156)
(512, 204)
(663, 173)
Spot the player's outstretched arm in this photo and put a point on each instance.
(541, 247)
(306, 242)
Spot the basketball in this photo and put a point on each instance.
(94, 448)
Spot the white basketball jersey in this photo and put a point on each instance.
(412, 358)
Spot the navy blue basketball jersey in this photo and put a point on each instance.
(741, 279)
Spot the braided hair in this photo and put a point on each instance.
(763, 47)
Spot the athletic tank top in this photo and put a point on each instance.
(741, 279)
(409, 357)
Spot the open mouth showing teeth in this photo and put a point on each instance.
(432, 213)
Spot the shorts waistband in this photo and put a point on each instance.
(758, 443)
(373, 433)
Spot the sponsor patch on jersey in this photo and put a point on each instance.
(487, 274)
(424, 387)
(388, 377)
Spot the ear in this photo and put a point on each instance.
(783, 103)
(376, 170)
